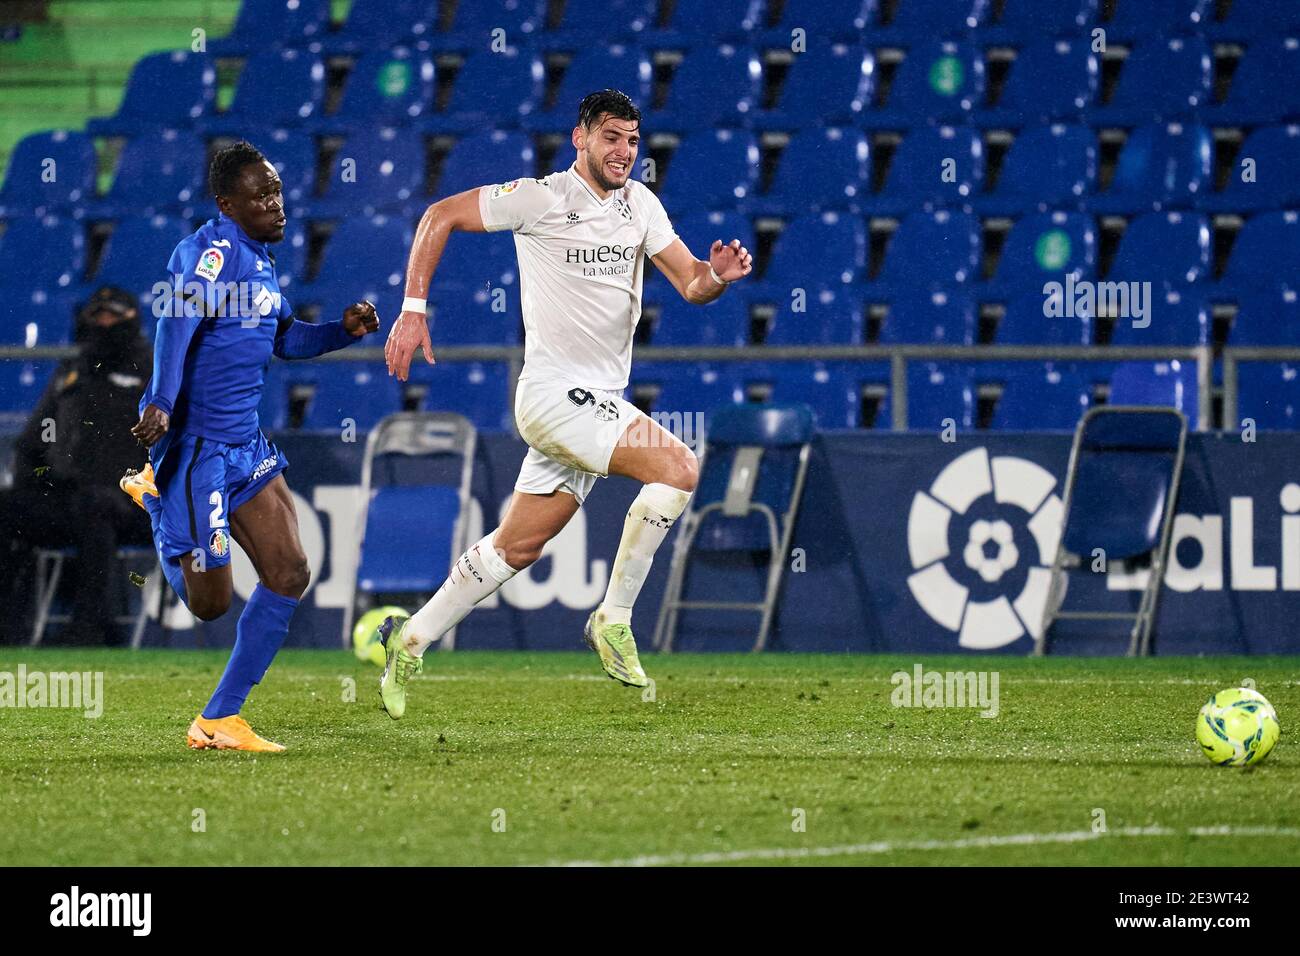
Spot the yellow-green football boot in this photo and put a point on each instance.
(399, 666)
(617, 649)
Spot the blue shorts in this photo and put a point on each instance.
(202, 483)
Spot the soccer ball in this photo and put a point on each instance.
(365, 634)
(1237, 727)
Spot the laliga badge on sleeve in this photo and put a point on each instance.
(210, 264)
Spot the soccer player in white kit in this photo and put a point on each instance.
(583, 237)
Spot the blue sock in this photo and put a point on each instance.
(261, 630)
(175, 577)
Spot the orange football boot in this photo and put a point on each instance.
(227, 733)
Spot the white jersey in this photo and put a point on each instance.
(581, 262)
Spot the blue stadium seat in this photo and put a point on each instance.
(939, 82)
(1267, 317)
(711, 169)
(833, 390)
(473, 23)
(1255, 96)
(47, 253)
(478, 390)
(263, 23)
(1269, 393)
(706, 22)
(293, 154)
(1024, 20)
(491, 91)
(158, 173)
(291, 257)
(276, 88)
(1163, 79)
(698, 231)
(1026, 322)
(936, 392)
(1274, 152)
(916, 21)
(1047, 168)
(713, 86)
(49, 173)
(486, 158)
(819, 169)
(375, 171)
(835, 89)
(41, 316)
(837, 21)
(723, 322)
(1042, 248)
(1159, 383)
(595, 68)
(137, 255)
(1038, 398)
(362, 392)
(929, 251)
(1159, 167)
(1139, 18)
(476, 260)
(940, 318)
(1170, 248)
(813, 250)
(365, 258)
(165, 91)
(827, 316)
(480, 316)
(21, 387)
(389, 87)
(1178, 317)
(623, 21)
(375, 25)
(1266, 253)
(919, 177)
(685, 388)
(1252, 19)
(1049, 80)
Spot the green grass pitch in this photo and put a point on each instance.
(527, 758)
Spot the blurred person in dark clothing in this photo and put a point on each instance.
(67, 462)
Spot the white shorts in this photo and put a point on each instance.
(571, 431)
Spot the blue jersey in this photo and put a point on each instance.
(227, 296)
(225, 318)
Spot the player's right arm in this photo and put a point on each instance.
(411, 330)
(516, 205)
(200, 281)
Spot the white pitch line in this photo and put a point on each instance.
(966, 843)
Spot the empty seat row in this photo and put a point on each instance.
(817, 264)
(372, 23)
(1162, 79)
(384, 171)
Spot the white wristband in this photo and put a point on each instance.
(716, 278)
(410, 304)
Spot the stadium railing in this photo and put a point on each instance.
(898, 357)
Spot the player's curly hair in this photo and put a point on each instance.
(616, 103)
(223, 173)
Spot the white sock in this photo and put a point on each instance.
(477, 573)
(648, 520)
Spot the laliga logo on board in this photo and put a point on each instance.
(978, 504)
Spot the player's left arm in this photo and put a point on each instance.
(698, 281)
(304, 340)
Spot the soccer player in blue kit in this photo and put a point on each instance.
(211, 472)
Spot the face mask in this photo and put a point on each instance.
(109, 344)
